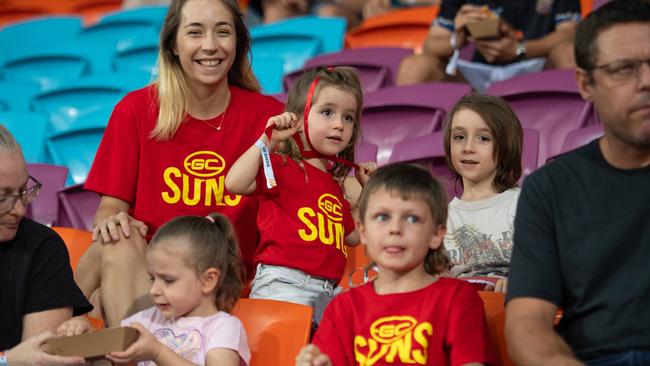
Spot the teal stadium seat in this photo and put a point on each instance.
(16, 96)
(39, 32)
(296, 40)
(49, 66)
(75, 146)
(73, 99)
(137, 55)
(29, 130)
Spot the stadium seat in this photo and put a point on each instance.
(298, 39)
(581, 136)
(16, 96)
(50, 66)
(390, 115)
(376, 66)
(154, 15)
(276, 330)
(495, 315)
(93, 10)
(111, 31)
(11, 13)
(29, 129)
(77, 241)
(38, 32)
(75, 146)
(73, 99)
(405, 28)
(549, 102)
(44, 208)
(353, 274)
(77, 207)
(268, 70)
(137, 55)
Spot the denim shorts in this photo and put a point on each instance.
(630, 358)
(288, 284)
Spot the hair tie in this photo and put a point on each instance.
(210, 218)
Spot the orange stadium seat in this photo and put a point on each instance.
(399, 28)
(585, 7)
(357, 260)
(495, 314)
(77, 241)
(276, 330)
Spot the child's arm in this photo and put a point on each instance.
(74, 326)
(222, 357)
(147, 348)
(353, 192)
(241, 177)
(310, 355)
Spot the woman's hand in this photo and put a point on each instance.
(145, 348)
(310, 355)
(75, 326)
(364, 172)
(110, 226)
(285, 126)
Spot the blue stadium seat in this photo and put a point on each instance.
(49, 66)
(29, 130)
(15, 96)
(75, 147)
(38, 32)
(269, 70)
(125, 26)
(298, 39)
(137, 55)
(154, 15)
(74, 98)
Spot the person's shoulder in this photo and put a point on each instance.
(147, 93)
(145, 317)
(452, 287)
(580, 159)
(36, 233)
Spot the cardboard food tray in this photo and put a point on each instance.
(487, 28)
(94, 344)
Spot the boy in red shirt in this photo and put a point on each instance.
(407, 315)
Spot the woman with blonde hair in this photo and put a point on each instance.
(168, 147)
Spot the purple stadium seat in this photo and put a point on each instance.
(390, 115)
(44, 208)
(549, 102)
(581, 136)
(366, 152)
(77, 207)
(377, 66)
(428, 150)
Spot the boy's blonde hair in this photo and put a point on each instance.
(411, 182)
(212, 244)
(341, 77)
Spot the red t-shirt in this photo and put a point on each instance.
(441, 324)
(303, 221)
(185, 175)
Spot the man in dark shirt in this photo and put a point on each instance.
(530, 29)
(582, 228)
(37, 289)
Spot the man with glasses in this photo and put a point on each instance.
(37, 291)
(582, 229)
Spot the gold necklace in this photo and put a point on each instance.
(223, 116)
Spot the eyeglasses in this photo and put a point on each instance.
(27, 195)
(623, 70)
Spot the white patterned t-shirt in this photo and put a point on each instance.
(193, 337)
(479, 234)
